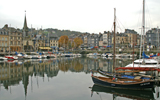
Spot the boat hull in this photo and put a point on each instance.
(130, 85)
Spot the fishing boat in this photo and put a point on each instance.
(126, 93)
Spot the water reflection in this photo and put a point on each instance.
(30, 73)
(130, 94)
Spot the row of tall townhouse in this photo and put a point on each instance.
(126, 39)
(153, 38)
(10, 38)
(14, 40)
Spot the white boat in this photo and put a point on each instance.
(3, 58)
(20, 56)
(27, 56)
(93, 54)
(11, 57)
(35, 55)
(144, 63)
(51, 55)
(78, 55)
(44, 56)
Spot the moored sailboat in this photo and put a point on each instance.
(115, 82)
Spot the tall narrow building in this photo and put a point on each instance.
(25, 27)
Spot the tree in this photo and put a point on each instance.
(78, 41)
(63, 40)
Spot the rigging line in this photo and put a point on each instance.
(112, 28)
(120, 23)
(118, 27)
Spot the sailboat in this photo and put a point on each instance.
(145, 62)
(121, 83)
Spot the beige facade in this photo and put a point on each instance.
(132, 38)
(53, 43)
(16, 41)
(100, 43)
(4, 41)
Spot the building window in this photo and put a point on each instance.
(5, 44)
(149, 35)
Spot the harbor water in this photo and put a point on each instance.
(63, 79)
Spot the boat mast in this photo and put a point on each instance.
(158, 40)
(114, 23)
(31, 38)
(9, 39)
(143, 22)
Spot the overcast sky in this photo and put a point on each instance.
(91, 16)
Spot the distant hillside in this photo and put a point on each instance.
(60, 32)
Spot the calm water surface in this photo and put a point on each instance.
(62, 79)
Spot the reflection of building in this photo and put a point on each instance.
(10, 74)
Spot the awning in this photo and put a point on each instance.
(44, 48)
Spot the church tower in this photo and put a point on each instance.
(25, 28)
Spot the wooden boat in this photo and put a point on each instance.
(131, 94)
(137, 84)
(123, 76)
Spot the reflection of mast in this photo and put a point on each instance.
(31, 84)
(37, 82)
(10, 77)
